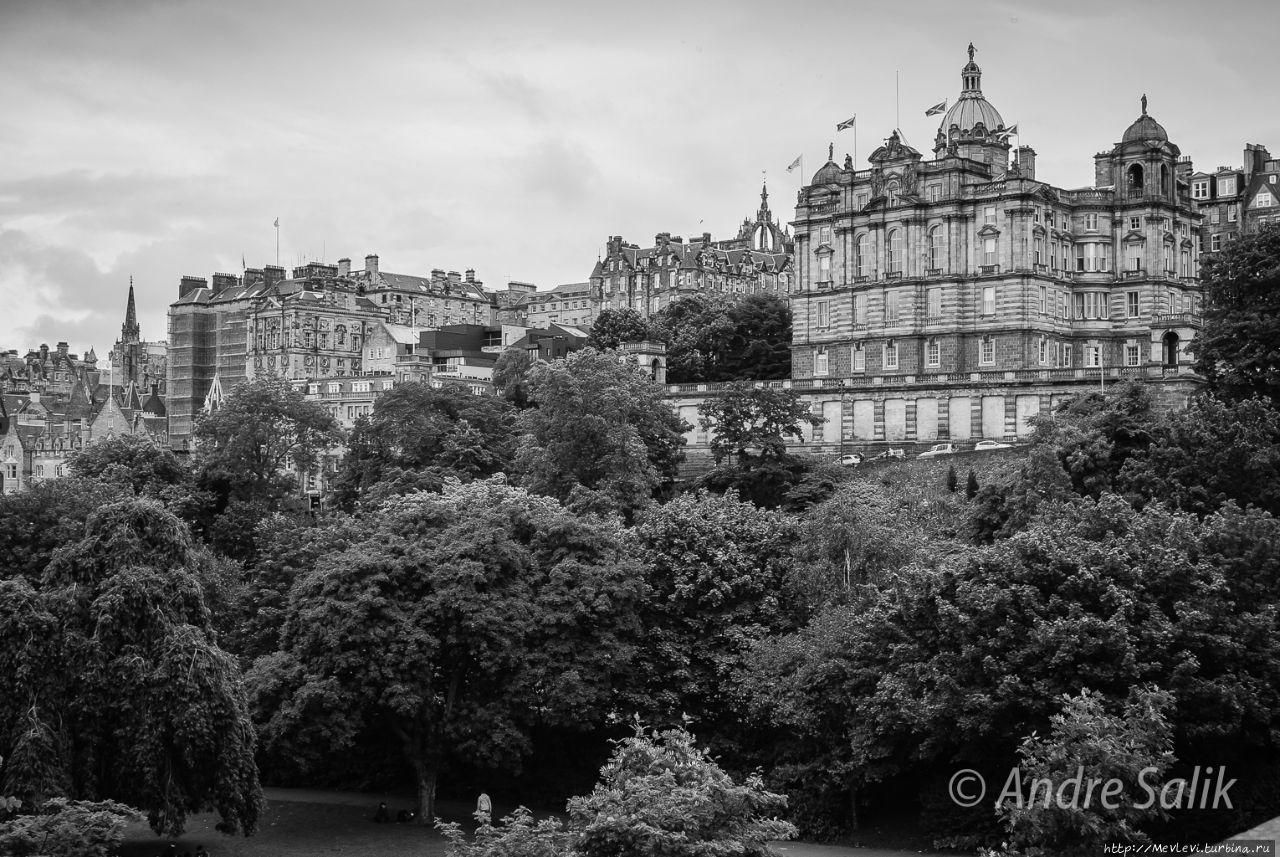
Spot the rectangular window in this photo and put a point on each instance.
(1044, 350)
(987, 356)
(824, 268)
(1091, 222)
(1131, 304)
(1039, 251)
(891, 355)
(989, 253)
(933, 192)
(890, 305)
(1226, 185)
(824, 315)
(1131, 355)
(859, 358)
(824, 235)
(1064, 355)
(821, 362)
(1215, 242)
(860, 309)
(935, 302)
(1092, 356)
(1200, 189)
(933, 353)
(989, 214)
(1044, 300)
(861, 201)
(1233, 213)
(988, 300)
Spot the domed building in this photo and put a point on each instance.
(954, 299)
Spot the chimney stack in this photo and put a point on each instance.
(189, 284)
(471, 275)
(371, 264)
(344, 267)
(1026, 159)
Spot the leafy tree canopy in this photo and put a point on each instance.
(114, 684)
(415, 427)
(754, 422)
(601, 433)
(1238, 349)
(146, 467)
(719, 338)
(613, 327)
(510, 376)
(455, 622)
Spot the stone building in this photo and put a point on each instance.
(133, 361)
(957, 297)
(756, 260)
(313, 324)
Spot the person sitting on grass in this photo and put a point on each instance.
(382, 815)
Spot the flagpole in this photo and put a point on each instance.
(897, 118)
(277, 242)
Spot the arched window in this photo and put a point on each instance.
(935, 248)
(891, 189)
(1135, 178)
(894, 259)
(861, 255)
(1164, 179)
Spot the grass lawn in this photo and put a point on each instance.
(289, 829)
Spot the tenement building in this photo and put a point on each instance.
(647, 279)
(957, 297)
(314, 324)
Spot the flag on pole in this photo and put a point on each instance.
(848, 123)
(795, 163)
(277, 223)
(940, 107)
(1008, 132)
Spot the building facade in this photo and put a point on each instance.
(757, 260)
(957, 297)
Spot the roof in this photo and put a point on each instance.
(1144, 128)
(403, 334)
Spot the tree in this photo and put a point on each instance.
(66, 828)
(1238, 348)
(744, 417)
(145, 466)
(510, 376)
(454, 622)
(660, 794)
(110, 666)
(952, 481)
(613, 327)
(446, 431)
(47, 516)
(971, 485)
(263, 427)
(601, 434)
(244, 448)
(719, 338)
(717, 571)
(909, 681)
(1088, 741)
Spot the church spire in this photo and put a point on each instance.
(129, 331)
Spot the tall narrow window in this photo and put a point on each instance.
(935, 302)
(989, 300)
(890, 306)
(861, 253)
(1044, 300)
(935, 248)
(859, 358)
(824, 314)
(894, 259)
(1044, 350)
(821, 362)
(860, 309)
(989, 253)
(933, 353)
(891, 354)
(987, 354)
(1131, 304)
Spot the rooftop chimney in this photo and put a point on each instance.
(371, 264)
(344, 267)
(189, 284)
(471, 275)
(272, 274)
(1025, 158)
(62, 349)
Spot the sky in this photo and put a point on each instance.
(149, 140)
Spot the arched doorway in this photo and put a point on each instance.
(1170, 350)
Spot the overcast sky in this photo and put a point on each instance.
(156, 139)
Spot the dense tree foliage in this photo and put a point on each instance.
(601, 436)
(143, 465)
(67, 828)
(726, 338)
(717, 571)
(613, 327)
(42, 519)
(419, 435)
(511, 375)
(111, 682)
(1238, 349)
(455, 622)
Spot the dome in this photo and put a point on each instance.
(829, 173)
(971, 109)
(1144, 128)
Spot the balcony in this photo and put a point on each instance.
(988, 270)
(1133, 274)
(1178, 319)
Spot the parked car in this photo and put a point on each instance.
(940, 449)
(891, 453)
(853, 459)
(990, 444)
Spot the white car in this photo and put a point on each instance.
(853, 459)
(991, 444)
(940, 449)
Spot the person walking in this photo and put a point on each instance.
(484, 809)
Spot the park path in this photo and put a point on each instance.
(457, 809)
